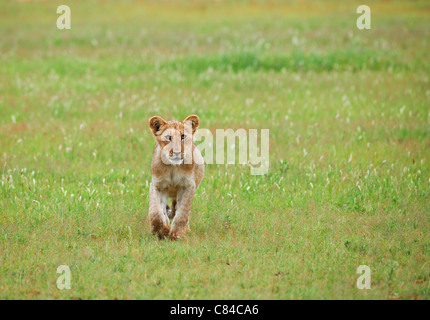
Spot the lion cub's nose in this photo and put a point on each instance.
(177, 153)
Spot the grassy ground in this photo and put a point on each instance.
(349, 119)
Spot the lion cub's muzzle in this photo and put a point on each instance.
(176, 155)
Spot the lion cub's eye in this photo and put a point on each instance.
(183, 137)
(168, 138)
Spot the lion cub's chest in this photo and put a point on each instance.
(172, 181)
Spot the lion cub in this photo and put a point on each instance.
(177, 169)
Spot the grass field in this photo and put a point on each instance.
(349, 119)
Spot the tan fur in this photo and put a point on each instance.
(172, 178)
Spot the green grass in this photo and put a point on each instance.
(349, 119)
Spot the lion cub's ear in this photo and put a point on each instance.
(156, 124)
(193, 122)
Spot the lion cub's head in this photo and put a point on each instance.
(175, 138)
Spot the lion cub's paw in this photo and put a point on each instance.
(175, 235)
(161, 231)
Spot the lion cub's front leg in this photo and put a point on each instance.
(157, 218)
(183, 209)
